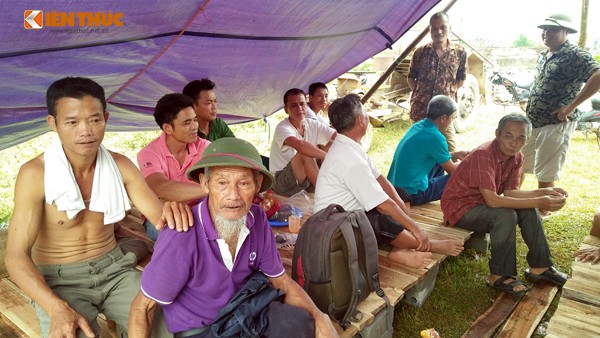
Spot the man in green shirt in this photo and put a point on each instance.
(210, 127)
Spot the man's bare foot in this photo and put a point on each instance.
(415, 259)
(448, 247)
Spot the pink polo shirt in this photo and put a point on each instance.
(156, 158)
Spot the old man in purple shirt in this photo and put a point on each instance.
(194, 275)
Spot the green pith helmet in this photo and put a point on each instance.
(231, 152)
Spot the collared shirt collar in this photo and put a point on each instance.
(561, 49)
(348, 141)
(450, 45)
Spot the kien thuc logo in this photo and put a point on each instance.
(33, 19)
(37, 19)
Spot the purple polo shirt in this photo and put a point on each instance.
(187, 274)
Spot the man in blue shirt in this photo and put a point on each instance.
(422, 155)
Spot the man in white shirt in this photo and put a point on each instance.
(318, 102)
(294, 150)
(349, 178)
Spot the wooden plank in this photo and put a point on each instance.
(435, 217)
(574, 319)
(529, 312)
(582, 290)
(592, 240)
(17, 309)
(486, 324)
(8, 329)
(426, 219)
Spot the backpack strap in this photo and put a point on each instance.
(372, 262)
(298, 251)
(353, 265)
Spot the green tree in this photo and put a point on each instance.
(523, 41)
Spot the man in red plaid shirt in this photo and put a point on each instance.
(483, 196)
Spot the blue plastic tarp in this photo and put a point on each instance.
(140, 50)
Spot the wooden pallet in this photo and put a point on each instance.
(396, 279)
(579, 306)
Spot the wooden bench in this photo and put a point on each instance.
(398, 281)
(579, 305)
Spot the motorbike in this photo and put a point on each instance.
(589, 120)
(508, 89)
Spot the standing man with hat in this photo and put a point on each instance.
(230, 242)
(555, 94)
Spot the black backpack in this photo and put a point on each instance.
(335, 261)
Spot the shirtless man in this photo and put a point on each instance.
(64, 255)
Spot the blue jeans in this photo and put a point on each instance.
(151, 230)
(437, 183)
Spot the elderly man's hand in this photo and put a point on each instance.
(176, 215)
(588, 255)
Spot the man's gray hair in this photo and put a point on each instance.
(440, 105)
(515, 117)
(255, 174)
(343, 112)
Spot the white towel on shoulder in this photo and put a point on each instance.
(108, 191)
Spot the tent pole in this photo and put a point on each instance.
(400, 58)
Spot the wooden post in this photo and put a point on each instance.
(585, 5)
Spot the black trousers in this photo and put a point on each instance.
(501, 224)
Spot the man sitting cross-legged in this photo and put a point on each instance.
(61, 247)
(165, 160)
(483, 195)
(349, 178)
(194, 275)
(422, 155)
(294, 150)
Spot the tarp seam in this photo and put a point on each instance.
(202, 34)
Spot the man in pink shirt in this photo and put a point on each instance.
(165, 160)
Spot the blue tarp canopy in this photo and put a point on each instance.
(139, 50)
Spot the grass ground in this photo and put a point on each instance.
(460, 295)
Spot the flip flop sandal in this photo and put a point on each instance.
(508, 287)
(551, 275)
